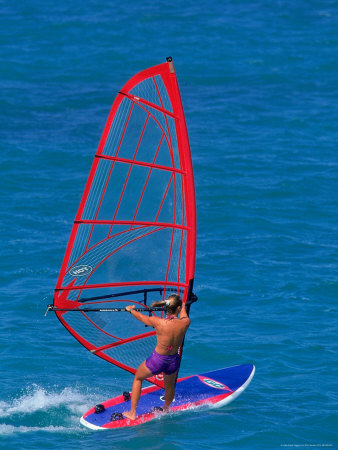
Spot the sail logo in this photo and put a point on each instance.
(214, 384)
(80, 271)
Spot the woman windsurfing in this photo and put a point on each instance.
(170, 333)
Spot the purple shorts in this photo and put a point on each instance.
(157, 363)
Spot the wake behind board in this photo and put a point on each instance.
(214, 389)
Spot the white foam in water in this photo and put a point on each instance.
(11, 429)
(38, 399)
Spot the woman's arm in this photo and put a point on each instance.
(150, 321)
(183, 313)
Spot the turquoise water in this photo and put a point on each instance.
(259, 87)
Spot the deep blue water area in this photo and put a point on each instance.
(259, 86)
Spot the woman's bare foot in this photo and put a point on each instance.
(130, 415)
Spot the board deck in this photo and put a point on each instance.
(214, 389)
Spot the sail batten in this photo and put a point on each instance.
(152, 105)
(141, 163)
(134, 236)
(125, 283)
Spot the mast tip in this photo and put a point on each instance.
(171, 64)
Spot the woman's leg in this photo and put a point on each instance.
(169, 386)
(141, 374)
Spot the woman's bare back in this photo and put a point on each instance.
(170, 334)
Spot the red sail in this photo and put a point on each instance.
(134, 236)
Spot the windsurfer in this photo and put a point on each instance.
(170, 334)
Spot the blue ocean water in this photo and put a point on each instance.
(259, 87)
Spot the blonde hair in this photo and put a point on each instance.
(171, 304)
